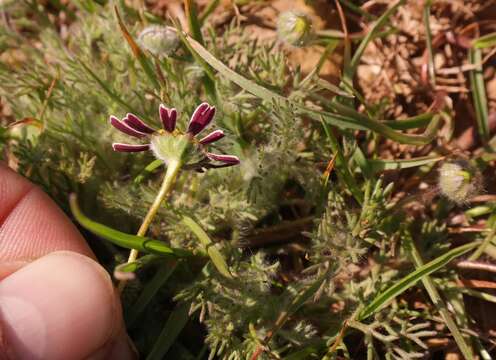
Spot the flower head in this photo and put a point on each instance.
(170, 144)
(459, 180)
(294, 28)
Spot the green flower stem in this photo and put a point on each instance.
(169, 179)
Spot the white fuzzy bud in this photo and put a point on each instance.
(294, 28)
(159, 40)
(459, 180)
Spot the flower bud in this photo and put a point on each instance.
(459, 180)
(159, 40)
(294, 28)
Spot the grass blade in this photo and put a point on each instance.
(333, 88)
(479, 93)
(151, 288)
(363, 163)
(331, 118)
(478, 294)
(173, 327)
(413, 122)
(426, 14)
(209, 9)
(357, 9)
(485, 41)
(195, 29)
(209, 77)
(411, 279)
(214, 253)
(128, 241)
(193, 20)
(438, 302)
(351, 69)
(205, 57)
(484, 245)
(378, 165)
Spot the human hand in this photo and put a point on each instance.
(56, 302)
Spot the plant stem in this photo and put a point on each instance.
(169, 179)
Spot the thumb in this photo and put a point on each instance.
(61, 306)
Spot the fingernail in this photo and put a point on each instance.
(61, 306)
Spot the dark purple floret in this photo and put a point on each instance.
(212, 137)
(227, 159)
(168, 117)
(130, 148)
(125, 128)
(137, 124)
(208, 117)
(202, 116)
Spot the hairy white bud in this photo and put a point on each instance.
(294, 28)
(459, 180)
(159, 40)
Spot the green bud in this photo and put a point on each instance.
(294, 28)
(159, 40)
(459, 180)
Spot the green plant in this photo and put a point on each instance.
(313, 247)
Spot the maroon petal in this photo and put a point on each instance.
(130, 148)
(201, 117)
(227, 159)
(209, 116)
(137, 124)
(126, 129)
(168, 117)
(199, 111)
(212, 137)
